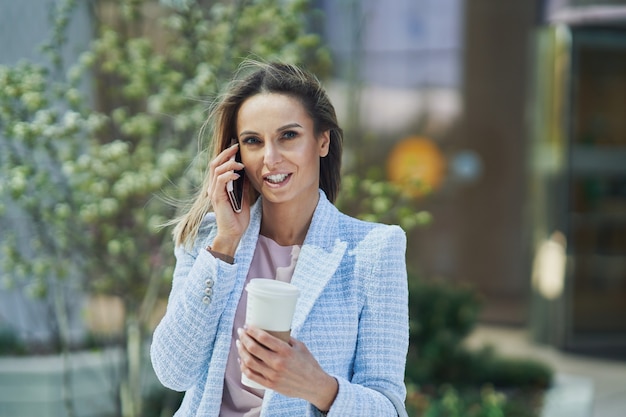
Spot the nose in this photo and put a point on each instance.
(272, 155)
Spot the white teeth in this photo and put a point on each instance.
(277, 178)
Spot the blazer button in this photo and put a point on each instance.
(209, 283)
(208, 291)
(206, 300)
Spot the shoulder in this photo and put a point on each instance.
(328, 214)
(369, 232)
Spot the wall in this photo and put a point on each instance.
(493, 254)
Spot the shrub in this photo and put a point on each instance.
(448, 380)
(451, 403)
(10, 343)
(442, 315)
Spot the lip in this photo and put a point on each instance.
(269, 183)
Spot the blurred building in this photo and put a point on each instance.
(526, 101)
(456, 73)
(578, 175)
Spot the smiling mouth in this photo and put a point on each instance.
(276, 178)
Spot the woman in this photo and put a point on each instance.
(349, 334)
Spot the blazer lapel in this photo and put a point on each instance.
(319, 258)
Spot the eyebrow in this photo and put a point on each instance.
(280, 129)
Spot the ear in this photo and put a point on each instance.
(324, 143)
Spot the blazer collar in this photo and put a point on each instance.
(319, 257)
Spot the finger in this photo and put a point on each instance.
(272, 354)
(227, 153)
(245, 356)
(217, 188)
(266, 339)
(222, 164)
(248, 364)
(225, 157)
(230, 165)
(251, 345)
(268, 374)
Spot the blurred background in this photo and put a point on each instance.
(494, 132)
(524, 103)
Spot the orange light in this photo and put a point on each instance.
(416, 165)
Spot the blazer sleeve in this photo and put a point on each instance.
(383, 336)
(182, 342)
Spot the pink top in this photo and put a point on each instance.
(270, 261)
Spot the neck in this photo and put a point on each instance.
(288, 223)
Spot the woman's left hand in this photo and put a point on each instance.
(288, 368)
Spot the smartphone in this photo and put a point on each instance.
(235, 188)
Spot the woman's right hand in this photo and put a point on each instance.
(230, 225)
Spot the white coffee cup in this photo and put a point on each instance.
(270, 307)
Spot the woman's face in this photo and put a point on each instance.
(278, 147)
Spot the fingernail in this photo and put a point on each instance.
(238, 344)
(239, 331)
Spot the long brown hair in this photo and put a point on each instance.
(254, 78)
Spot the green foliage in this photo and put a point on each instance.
(161, 402)
(487, 401)
(509, 372)
(451, 403)
(86, 180)
(447, 379)
(442, 315)
(376, 199)
(10, 343)
(93, 151)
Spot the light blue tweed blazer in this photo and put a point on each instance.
(352, 315)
